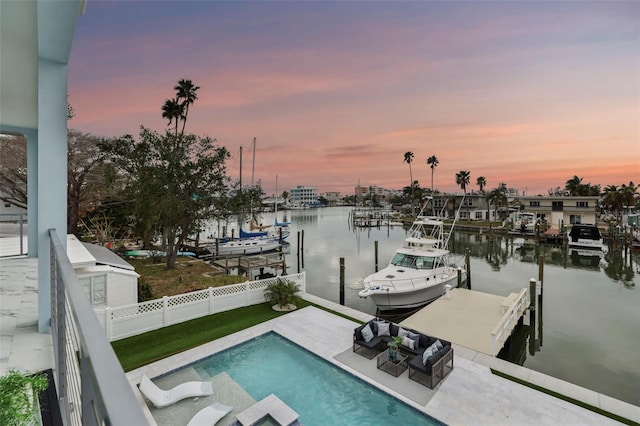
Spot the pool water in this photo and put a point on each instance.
(321, 393)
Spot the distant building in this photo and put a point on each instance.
(332, 197)
(379, 192)
(303, 196)
(7, 208)
(557, 211)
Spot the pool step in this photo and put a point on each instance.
(270, 406)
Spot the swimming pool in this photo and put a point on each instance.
(321, 393)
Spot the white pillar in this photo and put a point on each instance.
(32, 192)
(52, 174)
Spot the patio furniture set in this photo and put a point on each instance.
(428, 359)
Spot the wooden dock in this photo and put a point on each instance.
(476, 320)
(249, 263)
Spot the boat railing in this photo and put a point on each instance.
(395, 284)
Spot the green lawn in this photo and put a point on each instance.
(136, 351)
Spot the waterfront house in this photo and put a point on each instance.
(475, 207)
(559, 211)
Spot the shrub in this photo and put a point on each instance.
(18, 391)
(282, 292)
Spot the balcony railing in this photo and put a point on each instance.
(92, 387)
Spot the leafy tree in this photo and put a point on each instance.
(481, 182)
(463, 177)
(174, 183)
(85, 174)
(408, 158)
(86, 186)
(13, 170)
(175, 180)
(433, 163)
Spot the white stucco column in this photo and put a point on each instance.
(52, 173)
(32, 192)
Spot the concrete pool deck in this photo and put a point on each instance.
(470, 395)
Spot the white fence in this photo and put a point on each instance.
(131, 320)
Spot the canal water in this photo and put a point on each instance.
(590, 330)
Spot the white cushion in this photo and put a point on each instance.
(367, 334)
(439, 344)
(383, 329)
(402, 332)
(427, 353)
(408, 343)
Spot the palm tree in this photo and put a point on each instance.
(498, 198)
(172, 111)
(573, 185)
(462, 178)
(617, 198)
(433, 163)
(186, 92)
(481, 182)
(408, 158)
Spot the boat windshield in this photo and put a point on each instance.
(415, 262)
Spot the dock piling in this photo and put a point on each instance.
(467, 260)
(342, 281)
(375, 245)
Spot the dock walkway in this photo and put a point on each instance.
(473, 319)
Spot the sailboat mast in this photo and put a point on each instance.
(253, 164)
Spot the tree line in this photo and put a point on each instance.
(615, 198)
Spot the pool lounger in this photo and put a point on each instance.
(162, 398)
(270, 406)
(210, 415)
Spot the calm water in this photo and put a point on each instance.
(272, 364)
(590, 332)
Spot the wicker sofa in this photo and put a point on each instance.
(428, 371)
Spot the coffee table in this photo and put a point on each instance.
(395, 368)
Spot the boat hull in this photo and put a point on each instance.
(244, 247)
(387, 298)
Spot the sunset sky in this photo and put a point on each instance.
(525, 93)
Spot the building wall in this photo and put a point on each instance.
(122, 286)
(563, 210)
(303, 195)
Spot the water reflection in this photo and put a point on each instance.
(498, 251)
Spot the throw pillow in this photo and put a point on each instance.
(427, 353)
(367, 334)
(415, 337)
(383, 329)
(439, 344)
(408, 343)
(402, 332)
